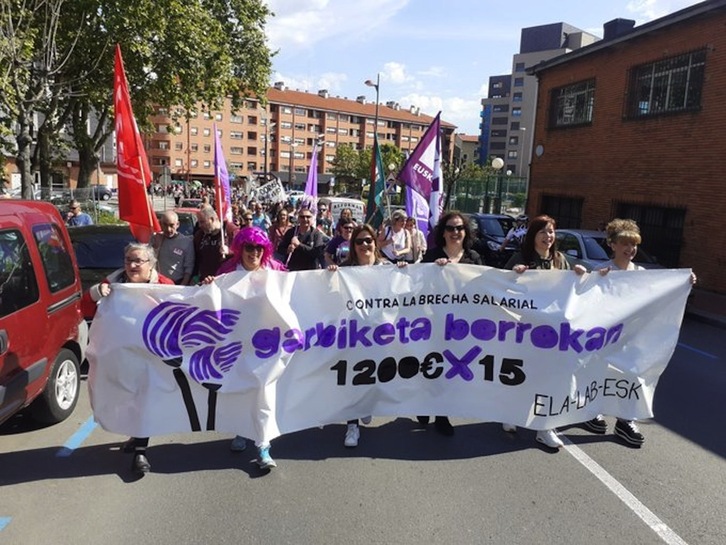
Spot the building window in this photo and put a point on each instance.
(512, 154)
(516, 112)
(207, 131)
(498, 108)
(286, 110)
(514, 126)
(286, 125)
(195, 163)
(194, 131)
(498, 133)
(252, 119)
(207, 148)
(519, 67)
(235, 135)
(670, 85)
(514, 140)
(236, 119)
(207, 115)
(178, 163)
(235, 151)
(518, 82)
(299, 126)
(517, 97)
(195, 147)
(301, 111)
(572, 105)
(568, 211)
(218, 116)
(178, 146)
(163, 144)
(207, 164)
(500, 120)
(662, 230)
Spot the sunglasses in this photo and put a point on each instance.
(305, 217)
(252, 248)
(247, 218)
(452, 228)
(361, 241)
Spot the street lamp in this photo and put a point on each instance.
(293, 145)
(268, 129)
(377, 86)
(497, 165)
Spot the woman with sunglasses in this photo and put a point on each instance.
(139, 268)
(452, 245)
(251, 251)
(364, 251)
(539, 251)
(338, 248)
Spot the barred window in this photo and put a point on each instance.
(669, 85)
(572, 105)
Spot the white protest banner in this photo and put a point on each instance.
(271, 352)
(271, 192)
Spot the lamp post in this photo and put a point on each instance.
(377, 86)
(290, 178)
(268, 129)
(497, 165)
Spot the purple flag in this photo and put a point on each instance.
(222, 192)
(418, 208)
(422, 171)
(310, 200)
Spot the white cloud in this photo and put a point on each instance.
(458, 111)
(395, 72)
(647, 10)
(433, 71)
(304, 23)
(332, 81)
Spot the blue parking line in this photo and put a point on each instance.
(4, 521)
(697, 351)
(76, 440)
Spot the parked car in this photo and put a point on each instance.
(190, 203)
(43, 336)
(187, 219)
(489, 232)
(590, 249)
(99, 250)
(101, 192)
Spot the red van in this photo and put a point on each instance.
(43, 336)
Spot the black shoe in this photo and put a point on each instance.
(628, 432)
(596, 425)
(128, 447)
(423, 420)
(443, 426)
(141, 464)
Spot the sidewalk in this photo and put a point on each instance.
(708, 307)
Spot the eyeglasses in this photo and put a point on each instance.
(135, 261)
(452, 228)
(251, 248)
(361, 241)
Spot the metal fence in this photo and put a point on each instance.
(494, 194)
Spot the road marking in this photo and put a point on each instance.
(4, 521)
(697, 351)
(76, 440)
(646, 515)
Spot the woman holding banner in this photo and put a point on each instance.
(139, 268)
(364, 251)
(452, 245)
(539, 251)
(251, 251)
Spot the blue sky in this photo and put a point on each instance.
(433, 54)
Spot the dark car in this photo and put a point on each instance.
(489, 232)
(101, 192)
(590, 249)
(190, 203)
(99, 250)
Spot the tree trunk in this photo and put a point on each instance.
(23, 158)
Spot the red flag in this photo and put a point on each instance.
(134, 175)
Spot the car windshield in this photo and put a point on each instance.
(497, 227)
(596, 248)
(100, 250)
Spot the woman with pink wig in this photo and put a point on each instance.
(251, 251)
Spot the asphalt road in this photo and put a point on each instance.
(402, 485)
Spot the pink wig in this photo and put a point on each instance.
(250, 235)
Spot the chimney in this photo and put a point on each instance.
(279, 85)
(391, 104)
(323, 93)
(361, 99)
(616, 28)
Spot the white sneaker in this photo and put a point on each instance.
(366, 420)
(509, 428)
(352, 435)
(238, 444)
(549, 438)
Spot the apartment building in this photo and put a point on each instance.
(633, 126)
(280, 137)
(508, 112)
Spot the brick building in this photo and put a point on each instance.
(633, 126)
(279, 138)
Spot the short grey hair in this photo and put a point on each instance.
(207, 212)
(141, 247)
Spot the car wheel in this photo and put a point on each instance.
(60, 396)
(105, 196)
